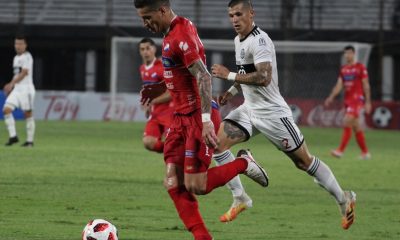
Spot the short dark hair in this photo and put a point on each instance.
(147, 40)
(246, 3)
(349, 47)
(20, 37)
(154, 4)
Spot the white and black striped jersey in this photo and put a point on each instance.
(23, 61)
(265, 102)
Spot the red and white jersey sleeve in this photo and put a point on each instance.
(181, 48)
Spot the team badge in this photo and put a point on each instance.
(166, 47)
(242, 53)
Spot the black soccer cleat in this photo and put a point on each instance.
(12, 141)
(27, 144)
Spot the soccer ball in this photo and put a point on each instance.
(382, 117)
(99, 229)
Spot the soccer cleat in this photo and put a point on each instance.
(337, 153)
(365, 156)
(253, 171)
(348, 209)
(27, 144)
(239, 204)
(12, 140)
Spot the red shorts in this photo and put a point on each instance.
(354, 109)
(184, 144)
(158, 124)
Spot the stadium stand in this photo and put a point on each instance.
(338, 14)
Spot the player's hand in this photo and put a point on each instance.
(222, 100)
(368, 107)
(8, 88)
(328, 102)
(150, 91)
(219, 71)
(209, 136)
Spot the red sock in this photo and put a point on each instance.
(219, 176)
(159, 146)
(188, 210)
(345, 138)
(361, 141)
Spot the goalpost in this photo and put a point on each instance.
(306, 69)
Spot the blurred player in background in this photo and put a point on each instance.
(354, 78)
(264, 109)
(191, 138)
(20, 93)
(159, 110)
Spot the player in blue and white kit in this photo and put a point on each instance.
(20, 93)
(264, 110)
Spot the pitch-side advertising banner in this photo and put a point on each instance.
(307, 112)
(65, 105)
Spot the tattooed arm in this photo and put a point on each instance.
(200, 72)
(203, 77)
(261, 77)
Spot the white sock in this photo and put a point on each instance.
(30, 129)
(10, 123)
(235, 185)
(325, 178)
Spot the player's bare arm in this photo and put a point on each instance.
(9, 86)
(232, 91)
(367, 95)
(335, 91)
(203, 77)
(163, 98)
(261, 77)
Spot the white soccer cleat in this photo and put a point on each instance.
(365, 156)
(336, 153)
(239, 204)
(253, 171)
(347, 209)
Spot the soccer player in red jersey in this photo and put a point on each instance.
(191, 138)
(354, 78)
(159, 110)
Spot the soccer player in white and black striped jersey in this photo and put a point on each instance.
(20, 93)
(264, 110)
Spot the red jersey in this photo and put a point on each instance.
(150, 74)
(352, 76)
(181, 47)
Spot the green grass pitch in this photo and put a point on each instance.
(78, 171)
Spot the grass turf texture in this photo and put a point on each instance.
(78, 171)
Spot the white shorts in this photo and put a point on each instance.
(22, 99)
(282, 131)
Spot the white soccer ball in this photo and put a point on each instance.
(99, 229)
(382, 117)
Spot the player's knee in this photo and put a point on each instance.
(195, 188)
(28, 114)
(7, 109)
(148, 143)
(171, 182)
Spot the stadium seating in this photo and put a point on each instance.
(339, 14)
